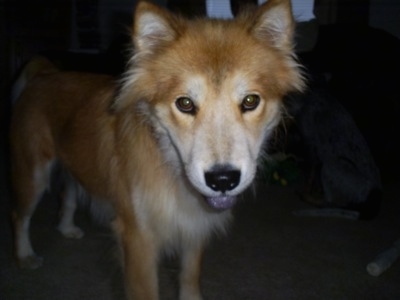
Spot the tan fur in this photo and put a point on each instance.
(135, 148)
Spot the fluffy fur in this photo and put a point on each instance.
(170, 146)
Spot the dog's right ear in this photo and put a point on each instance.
(153, 27)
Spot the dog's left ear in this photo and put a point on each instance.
(275, 24)
(153, 27)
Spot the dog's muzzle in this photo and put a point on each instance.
(222, 178)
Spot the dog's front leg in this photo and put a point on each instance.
(140, 257)
(190, 272)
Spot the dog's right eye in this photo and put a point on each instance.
(185, 105)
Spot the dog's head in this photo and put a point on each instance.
(212, 90)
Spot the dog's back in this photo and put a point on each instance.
(56, 108)
(36, 66)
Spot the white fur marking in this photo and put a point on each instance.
(66, 225)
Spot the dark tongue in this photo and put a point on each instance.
(221, 202)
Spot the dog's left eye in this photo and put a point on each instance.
(185, 105)
(250, 102)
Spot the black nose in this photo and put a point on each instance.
(222, 178)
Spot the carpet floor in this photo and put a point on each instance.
(269, 253)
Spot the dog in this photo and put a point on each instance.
(170, 146)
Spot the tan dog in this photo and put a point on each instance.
(170, 148)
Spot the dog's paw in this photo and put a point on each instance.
(30, 262)
(71, 232)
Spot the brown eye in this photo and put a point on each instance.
(250, 102)
(185, 105)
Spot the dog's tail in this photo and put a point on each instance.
(37, 65)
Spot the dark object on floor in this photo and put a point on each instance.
(338, 157)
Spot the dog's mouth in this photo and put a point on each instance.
(222, 202)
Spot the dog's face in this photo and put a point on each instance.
(213, 90)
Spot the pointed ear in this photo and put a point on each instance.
(153, 27)
(275, 24)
